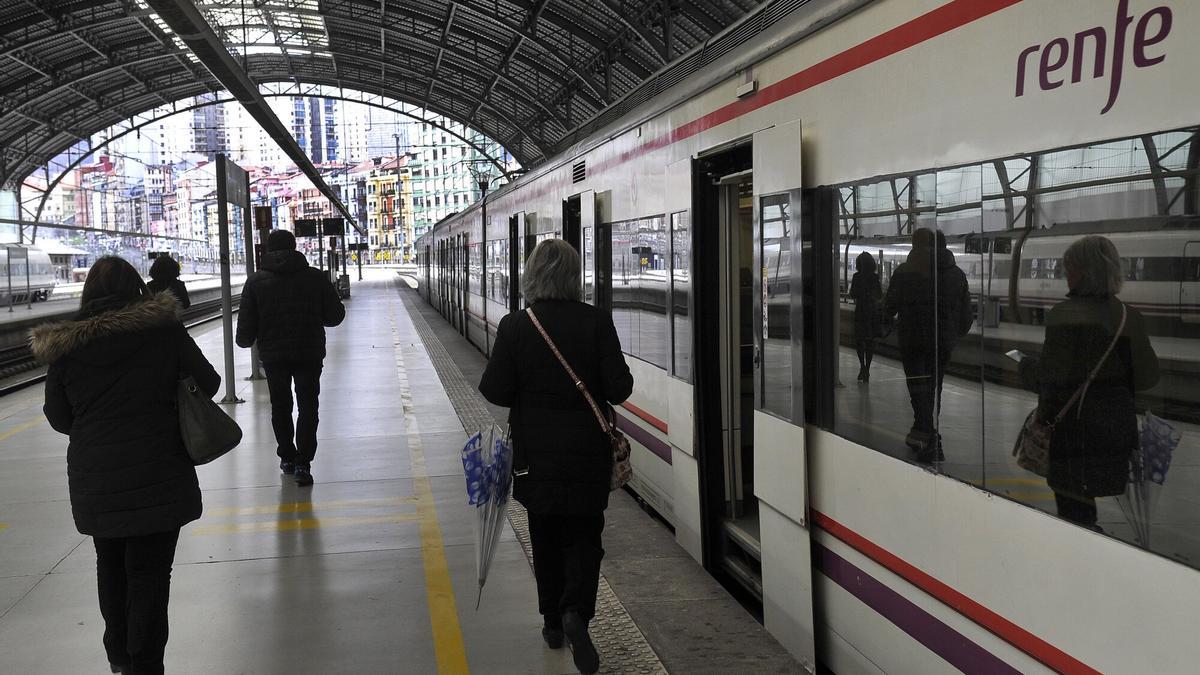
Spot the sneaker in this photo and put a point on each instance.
(582, 649)
(303, 475)
(287, 467)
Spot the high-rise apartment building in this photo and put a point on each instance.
(208, 128)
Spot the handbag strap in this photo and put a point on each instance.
(604, 424)
(1082, 390)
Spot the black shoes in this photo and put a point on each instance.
(303, 476)
(553, 637)
(930, 452)
(287, 467)
(582, 649)
(116, 669)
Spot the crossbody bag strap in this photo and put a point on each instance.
(570, 372)
(1082, 390)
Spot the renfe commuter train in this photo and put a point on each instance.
(40, 280)
(719, 222)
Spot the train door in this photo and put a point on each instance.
(724, 261)
(779, 474)
(515, 256)
(602, 248)
(464, 284)
(1189, 289)
(579, 221)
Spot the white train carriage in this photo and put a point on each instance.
(41, 280)
(717, 225)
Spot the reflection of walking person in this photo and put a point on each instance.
(1091, 446)
(866, 293)
(930, 295)
(286, 307)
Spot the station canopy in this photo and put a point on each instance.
(533, 75)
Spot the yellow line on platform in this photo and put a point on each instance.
(293, 524)
(304, 507)
(21, 427)
(443, 611)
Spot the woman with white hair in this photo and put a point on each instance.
(1091, 446)
(563, 459)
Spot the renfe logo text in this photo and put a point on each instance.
(1092, 46)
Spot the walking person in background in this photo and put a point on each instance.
(1091, 446)
(867, 293)
(285, 309)
(164, 276)
(562, 458)
(930, 295)
(111, 387)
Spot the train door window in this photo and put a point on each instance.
(651, 290)
(589, 265)
(681, 296)
(572, 221)
(604, 281)
(776, 226)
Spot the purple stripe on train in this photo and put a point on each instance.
(643, 437)
(925, 628)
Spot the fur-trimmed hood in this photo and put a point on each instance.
(52, 341)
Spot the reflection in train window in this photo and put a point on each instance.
(681, 296)
(1138, 192)
(639, 287)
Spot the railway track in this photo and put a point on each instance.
(17, 360)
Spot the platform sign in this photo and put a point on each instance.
(305, 227)
(334, 226)
(262, 218)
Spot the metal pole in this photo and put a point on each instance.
(361, 251)
(8, 270)
(248, 237)
(226, 291)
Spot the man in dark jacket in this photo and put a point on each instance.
(286, 306)
(933, 300)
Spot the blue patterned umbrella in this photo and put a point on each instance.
(488, 469)
(1147, 472)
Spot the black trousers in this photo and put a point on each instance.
(1076, 508)
(924, 370)
(566, 563)
(298, 444)
(133, 577)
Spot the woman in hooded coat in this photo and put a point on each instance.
(111, 387)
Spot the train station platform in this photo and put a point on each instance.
(370, 570)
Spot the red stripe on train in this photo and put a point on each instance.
(1043, 651)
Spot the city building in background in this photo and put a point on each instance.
(156, 190)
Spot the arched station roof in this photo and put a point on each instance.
(527, 73)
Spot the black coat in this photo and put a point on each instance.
(866, 293)
(285, 309)
(1090, 448)
(554, 431)
(175, 286)
(933, 303)
(111, 387)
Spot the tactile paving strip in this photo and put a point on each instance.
(622, 647)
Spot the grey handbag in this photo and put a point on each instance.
(207, 431)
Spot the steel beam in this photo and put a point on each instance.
(186, 21)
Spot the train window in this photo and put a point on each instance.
(589, 265)
(775, 222)
(652, 290)
(623, 291)
(681, 296)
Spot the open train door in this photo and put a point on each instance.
(780, 475)
(1189, 288)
